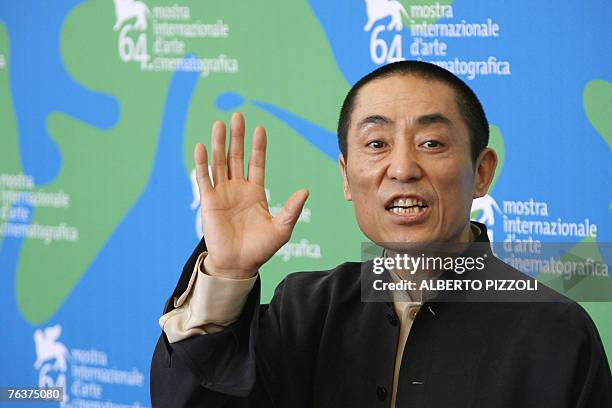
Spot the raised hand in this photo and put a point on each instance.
(241, 234)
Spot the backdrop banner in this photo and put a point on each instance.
(102, 101)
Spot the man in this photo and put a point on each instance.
(413, 143)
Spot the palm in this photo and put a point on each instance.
(241, 234)
(239, 227)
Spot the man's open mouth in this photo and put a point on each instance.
(407, 205)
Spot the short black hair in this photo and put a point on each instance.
(469, 105)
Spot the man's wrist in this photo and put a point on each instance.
(208, 269)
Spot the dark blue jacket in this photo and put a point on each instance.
(317, 344)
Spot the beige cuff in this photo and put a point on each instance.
(208, 305)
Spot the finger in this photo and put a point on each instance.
(218, 164)
(200, 157)
(235, 154)
(289, 214)
(257, 161)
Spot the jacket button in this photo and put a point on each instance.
(381, 393)
(392, 320)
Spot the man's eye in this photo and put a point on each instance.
(376, 144)
(432, 144)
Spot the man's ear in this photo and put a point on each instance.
(347, 188)
(485, 170)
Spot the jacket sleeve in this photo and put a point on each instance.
(209, 304)
(219, 369)
(594, 379)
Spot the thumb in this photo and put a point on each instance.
(289, 214)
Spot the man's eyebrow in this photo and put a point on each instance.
(432, 118)
(375, 120)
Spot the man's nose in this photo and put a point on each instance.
(404, 165)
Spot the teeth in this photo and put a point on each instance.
(409, 210)
(407, 202)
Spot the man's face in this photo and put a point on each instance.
(409, 171)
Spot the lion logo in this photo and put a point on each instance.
(51, 359)
(48, 348)
(379, 9)
(487, 205)
(127, 9)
